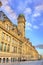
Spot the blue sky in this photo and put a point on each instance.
(33, 11)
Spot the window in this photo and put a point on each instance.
(7, 27)
(9, 38)
(15, 49)
(3, 35)
(13, 40)
(8, 49)
(19, 50)
(12, 49)
(4, 47)
(1, 46)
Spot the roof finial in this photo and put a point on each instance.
(0, 3)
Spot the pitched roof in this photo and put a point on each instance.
(3, 17)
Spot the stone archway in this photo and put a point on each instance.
(11, 59)
(3, 60)
(0, 60)
(7, 59)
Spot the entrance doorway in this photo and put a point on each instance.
(3, 60)
(0, 60)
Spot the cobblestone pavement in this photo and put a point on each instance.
(40, 62)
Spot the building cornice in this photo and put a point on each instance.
(14, 35)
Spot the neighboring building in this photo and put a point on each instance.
(13, 43)
(41, 56)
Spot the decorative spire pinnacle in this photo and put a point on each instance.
(0, 3)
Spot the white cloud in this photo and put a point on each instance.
(35, 27)
(39, 8)
(40, 46)
(36, 14)
(28, 1)
(28, 26)
(27, 11)
(14, 15)
(29, 29)
(8, 9)
(22, 7)
(41, 24)
(4, 2)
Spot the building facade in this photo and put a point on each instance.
(13, 43)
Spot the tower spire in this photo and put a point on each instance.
(0, 3)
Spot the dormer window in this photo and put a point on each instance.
(1, 16)
(7, 27)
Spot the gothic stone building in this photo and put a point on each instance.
(13, 43)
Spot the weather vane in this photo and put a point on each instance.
(0, 3)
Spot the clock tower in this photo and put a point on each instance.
(21, 24)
